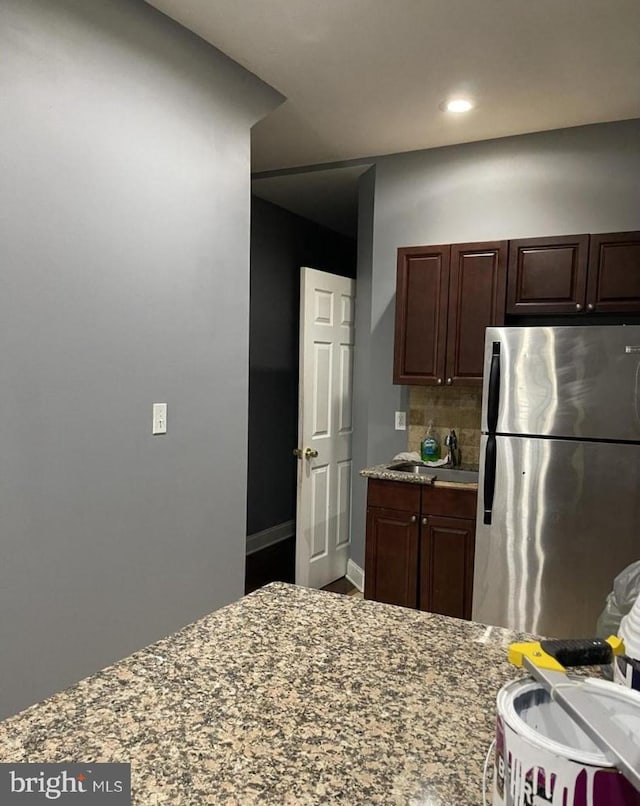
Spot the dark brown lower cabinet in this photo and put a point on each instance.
(446, 565)
(392, 557)
(415, 558)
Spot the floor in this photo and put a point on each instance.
(342, 586)
(277, 563)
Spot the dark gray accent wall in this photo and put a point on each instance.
(568, 181)
(281, 243)
(124, 254)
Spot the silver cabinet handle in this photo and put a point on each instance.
(449, 381)
(591, 307)
(439, 380)
(578, 306)
(414, 518)
(425, 521)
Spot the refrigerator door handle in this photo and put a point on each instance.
(489, 478)
(494, 389)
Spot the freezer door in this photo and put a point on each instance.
(579, 382)
(565, 522)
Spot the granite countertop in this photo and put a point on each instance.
(383, 472)
(288, 696)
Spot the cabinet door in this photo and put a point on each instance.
(547, 275)
(422, 288)
(446, 565)
(614, 273)
(477, 287)
(391, 559)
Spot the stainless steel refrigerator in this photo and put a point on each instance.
(559, 486)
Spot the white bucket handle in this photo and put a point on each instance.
(485, 773)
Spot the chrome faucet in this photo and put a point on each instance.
(453, 455)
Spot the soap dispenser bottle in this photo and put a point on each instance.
(430, 445)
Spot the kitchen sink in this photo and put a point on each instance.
(439, 473)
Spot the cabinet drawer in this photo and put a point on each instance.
(449, 501)
(394, 495)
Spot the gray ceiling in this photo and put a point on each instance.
(366, 77)
(329, 197)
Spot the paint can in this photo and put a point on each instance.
(626, 668)
(543, 757)
(626, 672)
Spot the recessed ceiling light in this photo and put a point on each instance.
(458, 105)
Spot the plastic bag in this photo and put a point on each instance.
(626, 589)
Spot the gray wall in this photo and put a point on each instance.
(363, 369)
(124, 247)
(281, 243)
(569, 181)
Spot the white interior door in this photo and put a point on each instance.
(327, 305)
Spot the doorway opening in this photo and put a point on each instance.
(281, 242)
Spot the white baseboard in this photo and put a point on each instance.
(269, 537)
(355, 575)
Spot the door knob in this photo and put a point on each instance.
(308, 453)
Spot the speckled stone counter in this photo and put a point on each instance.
(289, 696)
(383, 472)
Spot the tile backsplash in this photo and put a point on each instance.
(447, 407)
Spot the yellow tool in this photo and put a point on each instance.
(557, 654)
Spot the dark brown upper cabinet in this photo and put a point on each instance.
(575, 274)
(547, 275)
(614, 273)
(422, 293)
(445, 298)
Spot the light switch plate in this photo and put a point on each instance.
(401, 421)
(159, 418)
